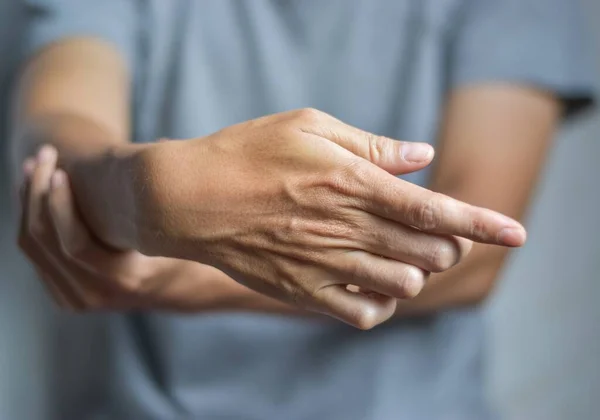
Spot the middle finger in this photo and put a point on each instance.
(431, 252)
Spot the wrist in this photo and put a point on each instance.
(151, 171)
(169, 182)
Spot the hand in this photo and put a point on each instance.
(299, 205)
(82, 274)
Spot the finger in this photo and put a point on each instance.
(73, 236)
(85, 279)
(70, 230)
(27, 169)
(23, 233)
(394, 156)
(38, 190)
(29, 165)
(382, 275)
(43, 244)
(357, 309)
(53, 279)
(431, 252)
(101, 279)
(102, 270)
(401, 201)
(50, 275)
(70, 282)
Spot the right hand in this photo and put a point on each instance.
(299, 205)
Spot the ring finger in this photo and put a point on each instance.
(382, 275)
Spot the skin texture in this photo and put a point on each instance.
(319, 211)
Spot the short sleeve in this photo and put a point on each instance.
(113, 21)
(542, 43)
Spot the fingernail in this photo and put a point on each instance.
(28, 166)
(46, 153)
(417, 152)
(512, 236)
(59, 178)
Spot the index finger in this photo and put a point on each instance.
(410, 204)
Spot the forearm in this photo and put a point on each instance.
(75, 95)
(104, 187)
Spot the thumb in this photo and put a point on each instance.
(394, 156)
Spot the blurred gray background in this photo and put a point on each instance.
(544, 333)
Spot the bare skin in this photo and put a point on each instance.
(319, 211)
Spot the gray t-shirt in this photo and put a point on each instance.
(384, 66)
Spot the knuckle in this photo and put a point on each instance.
(346, 232)
(378, 147)
(443, 256)
(477, 227)
(309, 115)
(343, 232)
(428, 214)
(348, 179)
(356, 169)
(355, 270)
(130, 285)
(364, 318)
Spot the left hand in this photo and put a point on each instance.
(79, 271)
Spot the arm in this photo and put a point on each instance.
(75, 96)
(494, 141)
(297, 231)
(51, 108)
